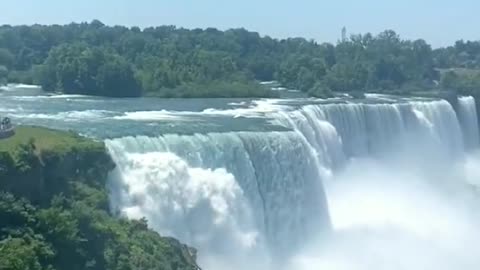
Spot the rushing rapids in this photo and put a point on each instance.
(381, 183)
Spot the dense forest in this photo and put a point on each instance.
(55, 214)
(95, 59)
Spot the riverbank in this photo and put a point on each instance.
(54, 209)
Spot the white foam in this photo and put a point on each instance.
(173, 196)
(378, 96)
(14, 86)
(21, 85)
(71, 115)
(268, 82)
(259, 108)
(243, 103)
(162, 115)
(37, 97)
(68, 96)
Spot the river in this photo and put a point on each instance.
(378, 183)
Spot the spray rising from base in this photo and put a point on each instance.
(385, 218)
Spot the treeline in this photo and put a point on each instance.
(460, 67)
(91, 58)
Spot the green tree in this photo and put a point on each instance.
(6, 58)
(450, 80)
(115, 78)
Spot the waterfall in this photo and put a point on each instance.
(346, 130)
(263, 189)
(467, 113)
(240, 194)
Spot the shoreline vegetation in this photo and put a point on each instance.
(55, 214)
(166, 61)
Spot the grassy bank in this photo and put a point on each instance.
(54, 210)
(47, 139)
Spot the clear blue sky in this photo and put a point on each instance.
(440, 22)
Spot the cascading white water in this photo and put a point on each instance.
(342, 131)
(222, 193)
(243, 196)
(467, 114)
(193, 204)
(401, 201)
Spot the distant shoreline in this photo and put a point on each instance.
(169, 62)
